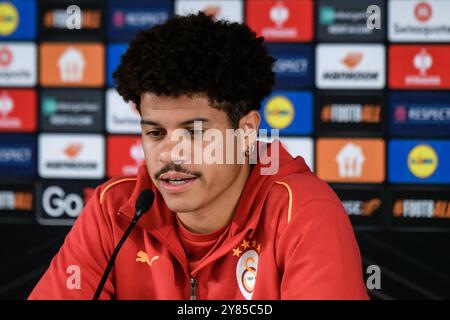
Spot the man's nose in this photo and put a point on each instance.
(174, 151)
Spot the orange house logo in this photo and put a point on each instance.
(72, 65)
(351, 160)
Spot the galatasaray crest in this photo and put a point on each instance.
(247, 265)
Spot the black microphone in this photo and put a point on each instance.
(143, 203)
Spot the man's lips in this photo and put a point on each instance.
(175, 182)
(175, 175)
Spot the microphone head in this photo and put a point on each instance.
(145, 200)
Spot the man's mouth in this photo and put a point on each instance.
(174, 182)
(177, 182)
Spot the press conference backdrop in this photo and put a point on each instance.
(365, 101)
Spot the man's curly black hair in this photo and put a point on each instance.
(194, 54)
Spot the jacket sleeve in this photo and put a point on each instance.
(76, 270)
(319, 256)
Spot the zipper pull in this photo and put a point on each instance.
(193, 289)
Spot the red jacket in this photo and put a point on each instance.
(290, 238)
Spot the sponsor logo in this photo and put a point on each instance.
(279, 20)
(14, 118)
(347, 21)
(17, 155)
(137, 19)
(57, 19)
(70, 204)
(362, 208)
(350, 160)
(401, 113)
(422, 62)
(61, 204)
(63, 20)
(422, 161)
(419, 67)
(247, 266)
(421, 208)
(126, 18)
(121, 117)
(128, 155)
(68, 110)
(6, 57)
(293, 64)
(420, 114)
(73, 150)
(419, 161)
(361, 111)
(230, 10)
(423, 11)
(344, 66)
(9, 18)
(289, 111)
(6, 106)
(17, 64)
(71, 156)
(351, 113)
(352, 59)
(16, 200)
(279, 112)
(143, 257)
(72, 64)
(16, 203)
(419, 21)
(364, 205)
(18, 20)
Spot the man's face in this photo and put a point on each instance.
(185, 186)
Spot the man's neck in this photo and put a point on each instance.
(220, 211)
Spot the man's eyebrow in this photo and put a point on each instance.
(193, 120)
(149, 122)
(186, 122)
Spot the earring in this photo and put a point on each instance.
(249, 150)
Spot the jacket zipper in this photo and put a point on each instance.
(193, 289)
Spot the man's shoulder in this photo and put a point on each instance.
(303, 188)
(116, 191)
(295, 195)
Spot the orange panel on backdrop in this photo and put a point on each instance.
(72, 65)
(351, 160)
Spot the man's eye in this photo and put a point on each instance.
(196, 132)
(154, 133)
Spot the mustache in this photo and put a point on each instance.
(177, 168)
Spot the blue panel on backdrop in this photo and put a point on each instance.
(420, 114)
(17, 155)
(419, 161)
(289, 111)
(18, 20)
(294, 65)
(114, 53)
(125, 18)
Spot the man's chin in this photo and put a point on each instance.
(181, 207)
(180, 202)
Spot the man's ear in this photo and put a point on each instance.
(251, 120)
(250, 125)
